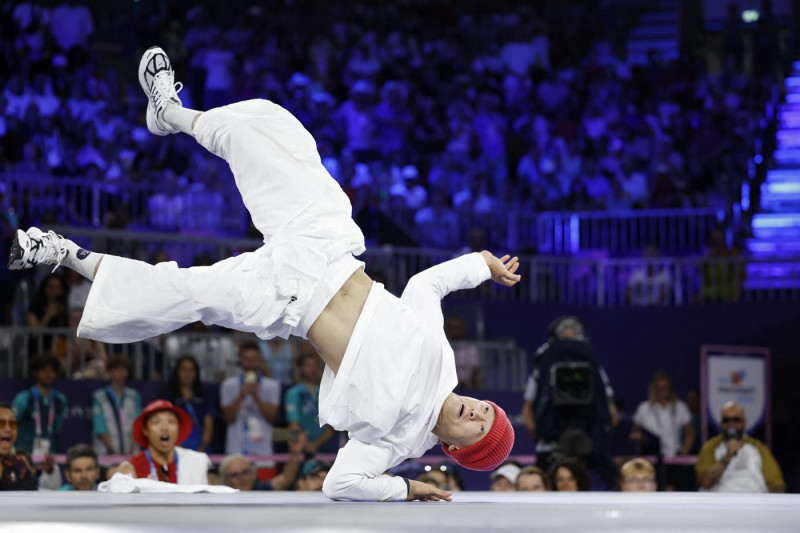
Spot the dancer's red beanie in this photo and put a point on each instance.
(489, 452)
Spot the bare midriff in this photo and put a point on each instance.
(331, 331)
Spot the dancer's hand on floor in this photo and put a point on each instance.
(424, 492)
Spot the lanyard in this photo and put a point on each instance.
(192, 412)
(119, 415)
(657, 413)
(37, 415)
(154, 473)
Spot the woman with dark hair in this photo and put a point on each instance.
(48, 310)
(185, 390)
(569, 475)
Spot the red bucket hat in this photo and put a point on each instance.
(489, 452)
(184, 421)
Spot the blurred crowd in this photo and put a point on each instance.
(449, 112)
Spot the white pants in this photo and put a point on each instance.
(279, 289)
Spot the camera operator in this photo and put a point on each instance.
(736, 462)
(569, 409)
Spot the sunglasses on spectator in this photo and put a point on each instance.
(236, 475)
(726, 419)
(4, 423)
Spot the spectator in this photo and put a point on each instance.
(532, 479)
(48, 310)
(83, 358)
(569, 475)
(431, 480)
(185, 391)
(81, 470)
(238, 472)
(468, 357)
(736, 462)
(114, 408)
(250, 405)
(71, 27)
(16, 473)
(649, 285)
(40, 410)
(301, 404)
(722, 272)
(637, 475)
(279, 354)
(665, 416)
(504, 479)
(312, 475)
(159, 429)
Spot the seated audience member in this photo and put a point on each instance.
(736, 462)
(445, 476)
(430, 480)
(504, 479)
(81, 469)
(301, 404)
(312, 475)
(569, 475)
(16, 473)
(637, 475)
(114, 408)
(532, 479)
(185, 390)
(238, 472)
(665, 416)
(159, 430)
(213, 476)
(40, 410)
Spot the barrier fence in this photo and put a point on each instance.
(166, 207)
(596, 281)
(500, 366)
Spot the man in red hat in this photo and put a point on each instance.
(159, 429)
(389, 369)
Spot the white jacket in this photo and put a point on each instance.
(396, 372)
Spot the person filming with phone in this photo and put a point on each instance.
(736, 462)
(250, 405)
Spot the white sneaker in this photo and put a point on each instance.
(158, 81)
(36, 247)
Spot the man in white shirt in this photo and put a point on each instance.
(736, 462)
(389, 369)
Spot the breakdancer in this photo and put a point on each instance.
(389, 370)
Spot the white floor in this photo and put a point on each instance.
(68, 512)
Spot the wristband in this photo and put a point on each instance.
(408, 487)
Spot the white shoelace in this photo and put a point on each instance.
(50, 249)
(163, 86)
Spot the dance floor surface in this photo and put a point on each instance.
(68, 512)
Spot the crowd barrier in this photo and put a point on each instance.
(502, 364)
(153, 206)
(595, 279)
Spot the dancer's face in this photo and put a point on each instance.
(464, 421)
(161, 430)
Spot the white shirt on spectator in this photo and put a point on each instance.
(665, 421)
(241, 435)
(743, 473)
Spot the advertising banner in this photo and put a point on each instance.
(738, 374)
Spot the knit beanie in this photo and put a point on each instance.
(489, 452)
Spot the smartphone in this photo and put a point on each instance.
(284, 435)
(250, 376)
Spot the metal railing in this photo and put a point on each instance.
(582, 281)
(501, 363)
(86, 202)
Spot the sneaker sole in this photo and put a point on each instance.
(15, 255)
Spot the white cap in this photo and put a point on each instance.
(508, 471)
